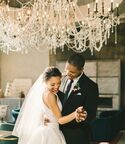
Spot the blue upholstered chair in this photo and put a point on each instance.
(107, 125)
(15, 113)
(6, 126)
(9, 139)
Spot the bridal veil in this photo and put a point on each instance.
(31, 113)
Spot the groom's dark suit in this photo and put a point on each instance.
(86, 96)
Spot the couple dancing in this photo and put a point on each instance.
(48, 116)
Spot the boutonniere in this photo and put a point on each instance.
(76, 88)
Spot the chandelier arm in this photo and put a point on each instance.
(53, 24)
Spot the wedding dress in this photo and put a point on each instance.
(49, 134)
(30, 127)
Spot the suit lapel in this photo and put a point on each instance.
(80, 83)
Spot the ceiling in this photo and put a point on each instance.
(15, 3)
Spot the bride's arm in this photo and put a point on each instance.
(51, 101)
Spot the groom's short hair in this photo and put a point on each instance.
(77, 60)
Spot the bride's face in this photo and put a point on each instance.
(53, 84)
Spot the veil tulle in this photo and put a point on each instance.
(31, 113)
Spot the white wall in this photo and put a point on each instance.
(16, 65)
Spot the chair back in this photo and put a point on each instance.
(6, 126)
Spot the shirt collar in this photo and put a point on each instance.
(75, 80)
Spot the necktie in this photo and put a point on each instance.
(67, 91)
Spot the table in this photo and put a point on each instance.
(4, 133)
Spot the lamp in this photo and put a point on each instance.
(53, 24)
(3, 112)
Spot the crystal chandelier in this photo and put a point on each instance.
(55, 23)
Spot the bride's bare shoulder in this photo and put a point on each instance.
(49, 96)
(50, 99)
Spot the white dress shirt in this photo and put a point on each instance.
(73, 84)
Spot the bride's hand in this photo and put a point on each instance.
(80, 114)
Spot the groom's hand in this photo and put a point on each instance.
(46, 120)
(81, 114)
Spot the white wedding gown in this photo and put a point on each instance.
(49, 134)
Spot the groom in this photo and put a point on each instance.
(79, 91)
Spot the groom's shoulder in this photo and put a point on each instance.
(60, 93)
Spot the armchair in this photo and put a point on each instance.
(15, 113)
(9, 139)
(107, 125)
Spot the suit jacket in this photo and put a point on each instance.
(86, 95)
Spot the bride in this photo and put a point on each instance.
(42, 101)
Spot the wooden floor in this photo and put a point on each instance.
(122, 139)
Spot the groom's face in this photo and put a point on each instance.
(72, 71)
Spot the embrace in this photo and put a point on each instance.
(58, 109)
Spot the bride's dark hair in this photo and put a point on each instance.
(51, 72)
